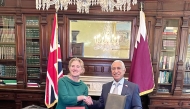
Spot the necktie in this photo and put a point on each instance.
(115, 90)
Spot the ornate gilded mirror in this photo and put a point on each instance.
(100, 38)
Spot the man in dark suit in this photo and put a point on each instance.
(119, 86)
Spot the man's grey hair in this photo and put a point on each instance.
(122, 63)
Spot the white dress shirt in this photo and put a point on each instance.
(120, 87)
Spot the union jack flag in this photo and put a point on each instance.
(54, 68)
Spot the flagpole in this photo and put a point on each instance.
(57, 42)
(141, 5)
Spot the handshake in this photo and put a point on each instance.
(88, 100)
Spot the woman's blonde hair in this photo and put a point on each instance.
(80, 61)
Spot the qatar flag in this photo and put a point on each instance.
(141, 71)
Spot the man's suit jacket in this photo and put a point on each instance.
(130, 89)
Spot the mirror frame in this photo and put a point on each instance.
(96, 61)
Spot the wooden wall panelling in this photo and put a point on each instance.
(127, 66)
(18, 3)
(185, 104)
(7, 105)
(61, 34)
(170, 8)
(150, 5)
(187, 8)
(91, 68)
(18, 104)
(156, 44)
(106, 69)
(173, 5)
(98, 68)
(135, 26)
(181, 57)
(10, 3)
(20, 51)
(65, 41)
(43, 48)
(150, 24)
(28, 4)
(26, 97)
(7, 99)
